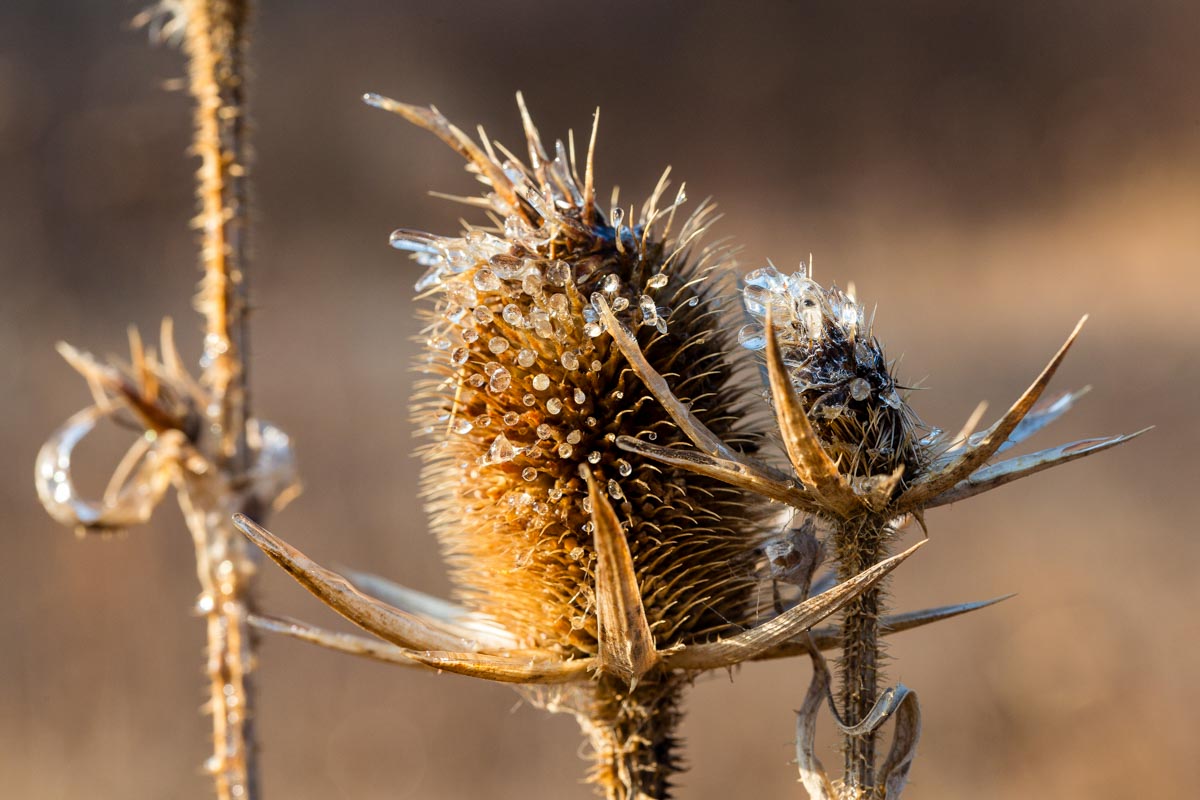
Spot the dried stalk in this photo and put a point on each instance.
(216, 42)
(198, 435)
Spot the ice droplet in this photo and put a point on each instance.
(511, 418)
(499, 381)
(485, 280)
(512, 315)
(541, 382)
(657, 281)
(461, 425)
(860, 389)
(526, 357)
(565, 450)
(624, 468)
(497, 344)
(752, 337)
(646, 306)
(570, 360)
(501, 451)
(611, 284)
(459, 356)
(554, 405)
(529, 473)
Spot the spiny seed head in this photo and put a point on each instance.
(838, 370)
(526, 387)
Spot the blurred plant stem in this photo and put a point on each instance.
(216, 40)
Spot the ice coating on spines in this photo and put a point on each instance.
(837, 367)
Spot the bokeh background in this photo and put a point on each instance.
(986, 173)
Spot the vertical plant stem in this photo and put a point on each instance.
(216, 44)
(860, 543)
(633, 736)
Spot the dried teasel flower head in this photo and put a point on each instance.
(838, 370)
(611, 576)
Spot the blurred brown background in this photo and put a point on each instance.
(987, 175)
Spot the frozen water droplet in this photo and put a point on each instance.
(559, 306)
(590, 422)
(483, 420)
(476, 380)
(461, 425)
(617, 217)
(593, 457)
(544, 431)
(554, 405)
(593, 329)
(580, 397)
(497, 344)
(657, 281)
(596, 365)
(860, 389)
(695, 301)
(624, 468)
(574, 436)
(891, 398)
(512, 315)
(511, 418)
(565, 450)
(752, 337)
(485, 280)
(614, 490)
(469, 335)
(529, 400)
(646, 306)
(459, 356)
(558, 273)
(501, 451)
(620, 303)
(618, 395)
(532, 283)
(611, 284)
(483, 314)
(541, 382)
(526, 357)
(570, 360)
(529, 473)
(651, 436)
(499, 381)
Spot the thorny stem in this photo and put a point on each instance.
(632, 735)
(216, 44)
(860, 543)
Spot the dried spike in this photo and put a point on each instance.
(404, 598)
(997, 475)
(895, 767)
(972, 422)
(626, 645)
(432, 120)
(537, 152)
(829, 637)
(511, 669)
(929, 487)
(762, 638)
(453, 617)
(692, 427)
(386, 622)
(349, 643)
(743, 474)
(812, 463)
(812, 772)
(589, 173)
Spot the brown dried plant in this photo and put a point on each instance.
(195, 434)
(595, 478)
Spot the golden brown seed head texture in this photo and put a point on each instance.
(525, 386)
